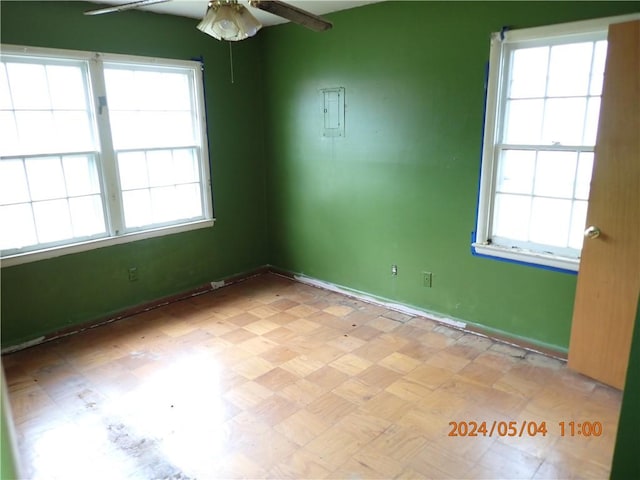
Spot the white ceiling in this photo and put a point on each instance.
(197, 8)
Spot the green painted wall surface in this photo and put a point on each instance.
(401, 187)
(45, 296)
(626, 461)
(8, 455)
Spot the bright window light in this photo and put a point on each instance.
(97, 147)
(543, 104)
(149, 111)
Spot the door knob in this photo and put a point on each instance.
(592, 232)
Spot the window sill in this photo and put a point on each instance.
(525, 257)
(28, 257)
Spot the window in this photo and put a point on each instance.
(543, 104)
(98, 148)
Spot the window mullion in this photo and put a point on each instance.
(546, 148)
(202, 148)
(504, 85)
(489, 148)
(546, 97)
(588, 96)
(108, 159)
(33, 215)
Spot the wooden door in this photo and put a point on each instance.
(609, 275)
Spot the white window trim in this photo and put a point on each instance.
(529, 37)
(121, 238)
(53, 252)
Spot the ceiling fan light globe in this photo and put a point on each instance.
(247, 22)
(229, 22)
(226, 29)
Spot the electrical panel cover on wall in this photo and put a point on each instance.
(332, 112)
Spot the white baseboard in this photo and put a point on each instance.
(398, 307)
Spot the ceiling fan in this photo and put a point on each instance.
(230, 20)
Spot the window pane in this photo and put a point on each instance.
(150, 109)
(564, 121)
(9, 144)
(147, 90)
(550, 221)
(523, 121)
(36, 131)
(583, 176)
(28, 86)
(53, 221)
(160, 165)
(173, 177)
(56, 218)
(511, 217)
(597, 73)
(569, 69)
(163, 202)
(22, 232)
(81, 175)
(515, 172)
(578, 223)
(119, 87)
(151, 129)
(133, 170)
(185, 166)
(13, 182)
(51, 113)
(164, 129)
(137, 208)
(126, 129)
(87, 216)
(73, 131)
(188, 201)
(529, 72)
(46, 180)
(150, 90)
(66, 86)
(177, 92)
(5, 96)
(555, 172)
(591, 122)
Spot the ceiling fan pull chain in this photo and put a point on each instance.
(231, 60)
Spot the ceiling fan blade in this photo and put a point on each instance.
(294, 14)
(126, 6)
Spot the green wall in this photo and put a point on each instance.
(8, 455)
(45, 296)
(401, 187)
(626, 461)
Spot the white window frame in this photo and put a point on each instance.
(107, 160)
(566, 32)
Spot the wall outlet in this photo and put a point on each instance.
(394, 269)
(427, 278)
(133, 274)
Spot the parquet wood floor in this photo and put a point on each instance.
(270, 378)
